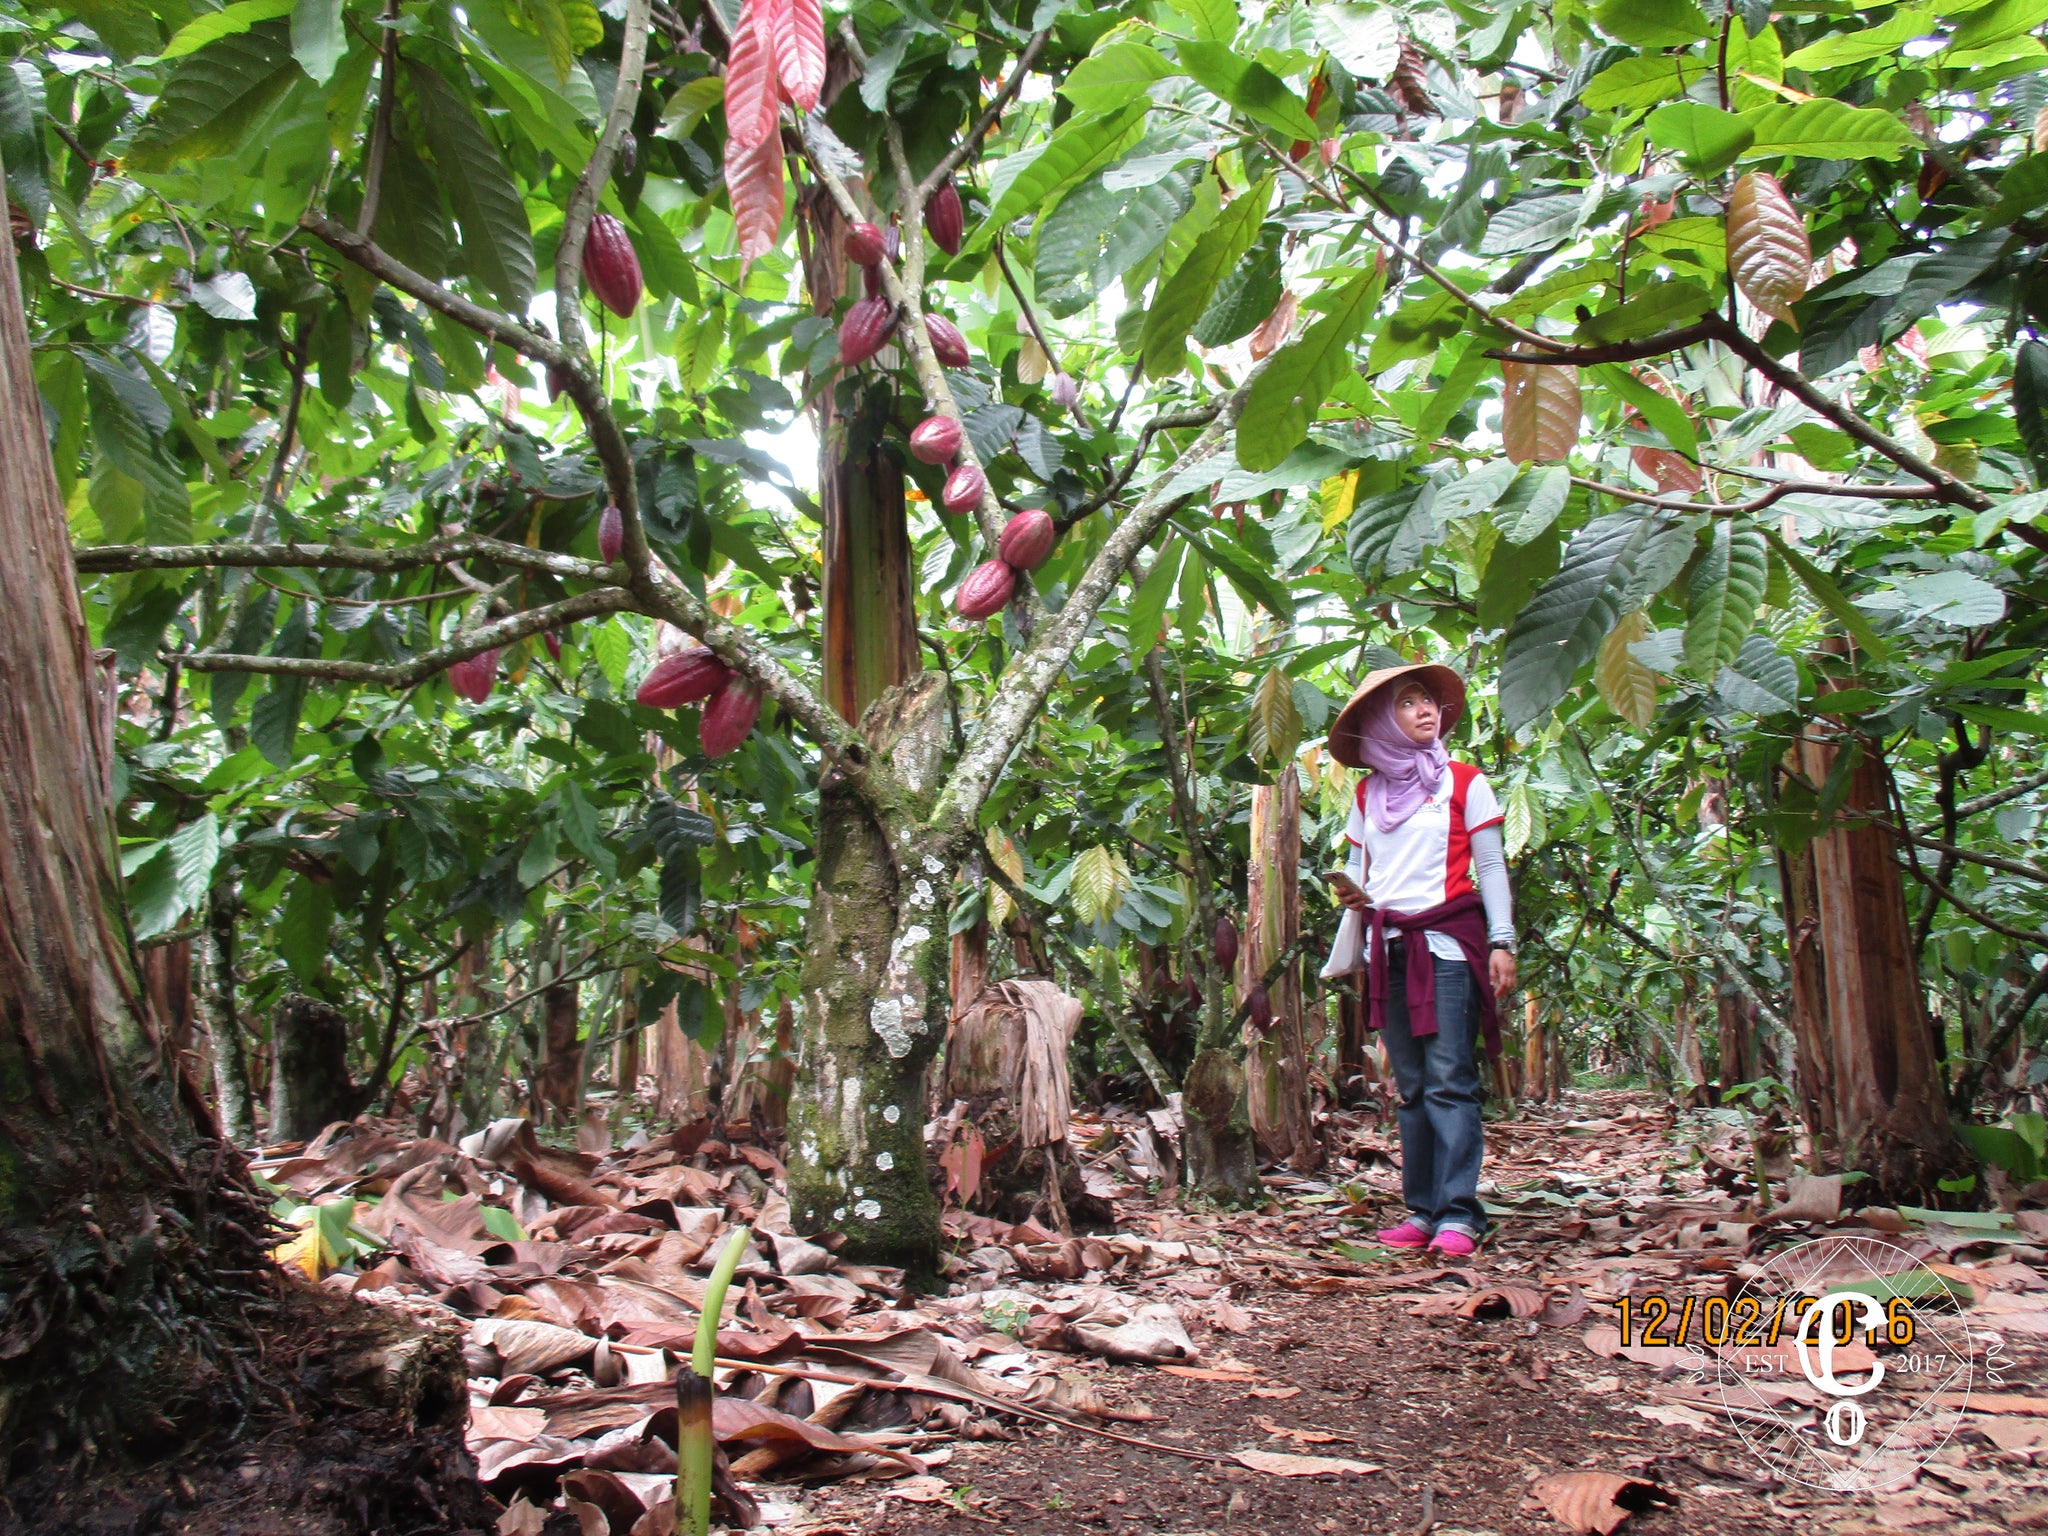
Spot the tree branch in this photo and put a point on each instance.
(380, 130)
(583, 200)
(1776, 492)
(1166, 421)
(1617, 352)
(1998, 797)
(473, 642)
(1022, 688)
(971, 140)
(459, 546)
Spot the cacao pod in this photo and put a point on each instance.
(871, 281)
(472, 677)
(691, 674)
(1191, 989)
(729, 715)
(963, 488)
(986, 591)
(1768, 253)
(1065, 391)
(864, 244)
(864, 330)
(948, 345)
(558, 381)
(1027, 539)
(944, 219)
(611, 535)
(1539, 412)
(1259, 1008)
(610, 266)
(1224, 947)
(936, 439)
(553, 642)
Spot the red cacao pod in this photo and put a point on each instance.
(729, 715)
(610, 266)
(944, 219)
(691, 674)
(1027, 539)
(1191, 990)
(936, 439)
(986, 591)
(473, 677)
(963, 488)
(864, 330)
(1259, 1008)
(864, 244)
(871, 281)
(553, 642)
(611, 534)
(948, 345)
(1224, 948)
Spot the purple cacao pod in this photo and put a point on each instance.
(473, 677)
(866, 327)
(1224, 948)
(558, 381)
(691, 674)
(1191, 990)
(1259, 1008)
(963, 488)
(936, 439)
(553, 642)
(944, 219)
(611, 535)
(986, 591)
(1027, 539)
(611, 267)
(864, 244)
(948, 345)
(729, 715)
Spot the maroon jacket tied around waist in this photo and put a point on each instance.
(1460, 917)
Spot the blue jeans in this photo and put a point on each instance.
(1442, 1138)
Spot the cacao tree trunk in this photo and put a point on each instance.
(1276, 1064)
(1890, 1106)
(561, 1074)
(1813, 1043)
(1737, 1020)
(232, 1101)
(126, 1291)
(310, 1086)
(875, 1005)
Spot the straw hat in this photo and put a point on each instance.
(1447, 687)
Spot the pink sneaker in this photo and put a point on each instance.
(1453, 1244)
(1406, 1235)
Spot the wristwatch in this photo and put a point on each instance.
(1506, 944)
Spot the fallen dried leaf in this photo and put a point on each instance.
(1588, 1501)
(1285, 1464)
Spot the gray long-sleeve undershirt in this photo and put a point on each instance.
(1490, 874)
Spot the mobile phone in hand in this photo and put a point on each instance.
(1341, 880)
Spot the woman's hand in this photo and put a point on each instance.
(1353, 899)
(1501, 969)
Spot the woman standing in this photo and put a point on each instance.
(1426, 860)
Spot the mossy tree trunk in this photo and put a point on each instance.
(875, 1003)
(113, 1257)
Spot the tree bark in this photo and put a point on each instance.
(123, 1310)
(1276, 1064)
(875, 1005)
(1535, 1051)
(1813, 1042)
(561, 1073)
(310, 1086)
(1890, 1106)
(232, 1101)
(1737, 1020)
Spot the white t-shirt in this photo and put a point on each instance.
(1422, 863)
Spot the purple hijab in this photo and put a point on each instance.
(1403, 774)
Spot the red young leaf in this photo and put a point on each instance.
(753, 181)
(800, 51)
(751, 108)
